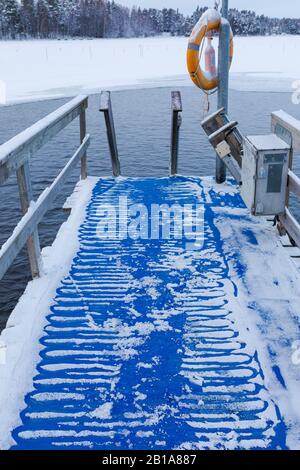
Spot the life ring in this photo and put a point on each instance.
(209, 21)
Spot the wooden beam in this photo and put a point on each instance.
(176, 123)
(16, 151)
(31, 219)
(106, 108)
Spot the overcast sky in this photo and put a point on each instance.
(276, 8)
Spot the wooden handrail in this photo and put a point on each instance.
(14, 157)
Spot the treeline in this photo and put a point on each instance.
(108, 19)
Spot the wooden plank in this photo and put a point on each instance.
(294, 183)
(31, 219)
(83, 167)
(106, 108)
(176, 123)
(291, 225)
(26, 196)
(15, 152)
(284, 125)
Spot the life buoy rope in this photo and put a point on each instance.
(210, 21)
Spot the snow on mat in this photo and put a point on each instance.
(145, 347)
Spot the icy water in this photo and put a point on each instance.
(143, 121)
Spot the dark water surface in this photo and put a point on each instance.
(142, 119)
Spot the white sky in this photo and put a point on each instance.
(276, 8)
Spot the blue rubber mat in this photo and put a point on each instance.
(143, 347)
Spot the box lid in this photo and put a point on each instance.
(267, 142)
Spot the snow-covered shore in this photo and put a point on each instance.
(31, 70)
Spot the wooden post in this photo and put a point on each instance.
(83, 168)
(33, 243)
(176, 123)
(106, 108)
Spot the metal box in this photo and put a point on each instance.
(265, 174)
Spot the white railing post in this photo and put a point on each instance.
(15, 156)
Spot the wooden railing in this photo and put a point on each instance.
(288, 129)
(14, 157)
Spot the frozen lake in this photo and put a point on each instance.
(51, 69)
(143, 129)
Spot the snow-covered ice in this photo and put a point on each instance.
(32, 70)
(212, 332)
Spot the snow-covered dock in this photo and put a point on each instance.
(146, 344)
(140, 331)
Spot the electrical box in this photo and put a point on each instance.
(265, 174)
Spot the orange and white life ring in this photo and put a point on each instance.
(210, 21)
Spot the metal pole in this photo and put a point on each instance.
(225, 9)
(224, 45)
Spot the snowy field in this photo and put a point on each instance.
(32, 70)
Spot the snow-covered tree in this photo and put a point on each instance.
(69, 17)
(108, 18)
